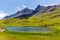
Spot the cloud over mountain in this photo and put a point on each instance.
(3, 14)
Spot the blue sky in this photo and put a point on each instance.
(8, 7)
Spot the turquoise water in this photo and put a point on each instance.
(29, 29)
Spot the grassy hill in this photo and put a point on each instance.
(51, 19)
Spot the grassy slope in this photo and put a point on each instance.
(51, 19)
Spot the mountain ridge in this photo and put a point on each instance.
(26, 12)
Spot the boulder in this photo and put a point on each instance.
(2, 29)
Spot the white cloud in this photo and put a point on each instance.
(50, 5)
(2, 14)
(19, 8)
(24, 6)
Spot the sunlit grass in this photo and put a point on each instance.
(26, 36)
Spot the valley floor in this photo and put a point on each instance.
(27, 36)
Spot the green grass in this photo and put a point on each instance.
(28, 36)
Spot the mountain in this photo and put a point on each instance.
(26, 12)
(19, 13)
(41, 9)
